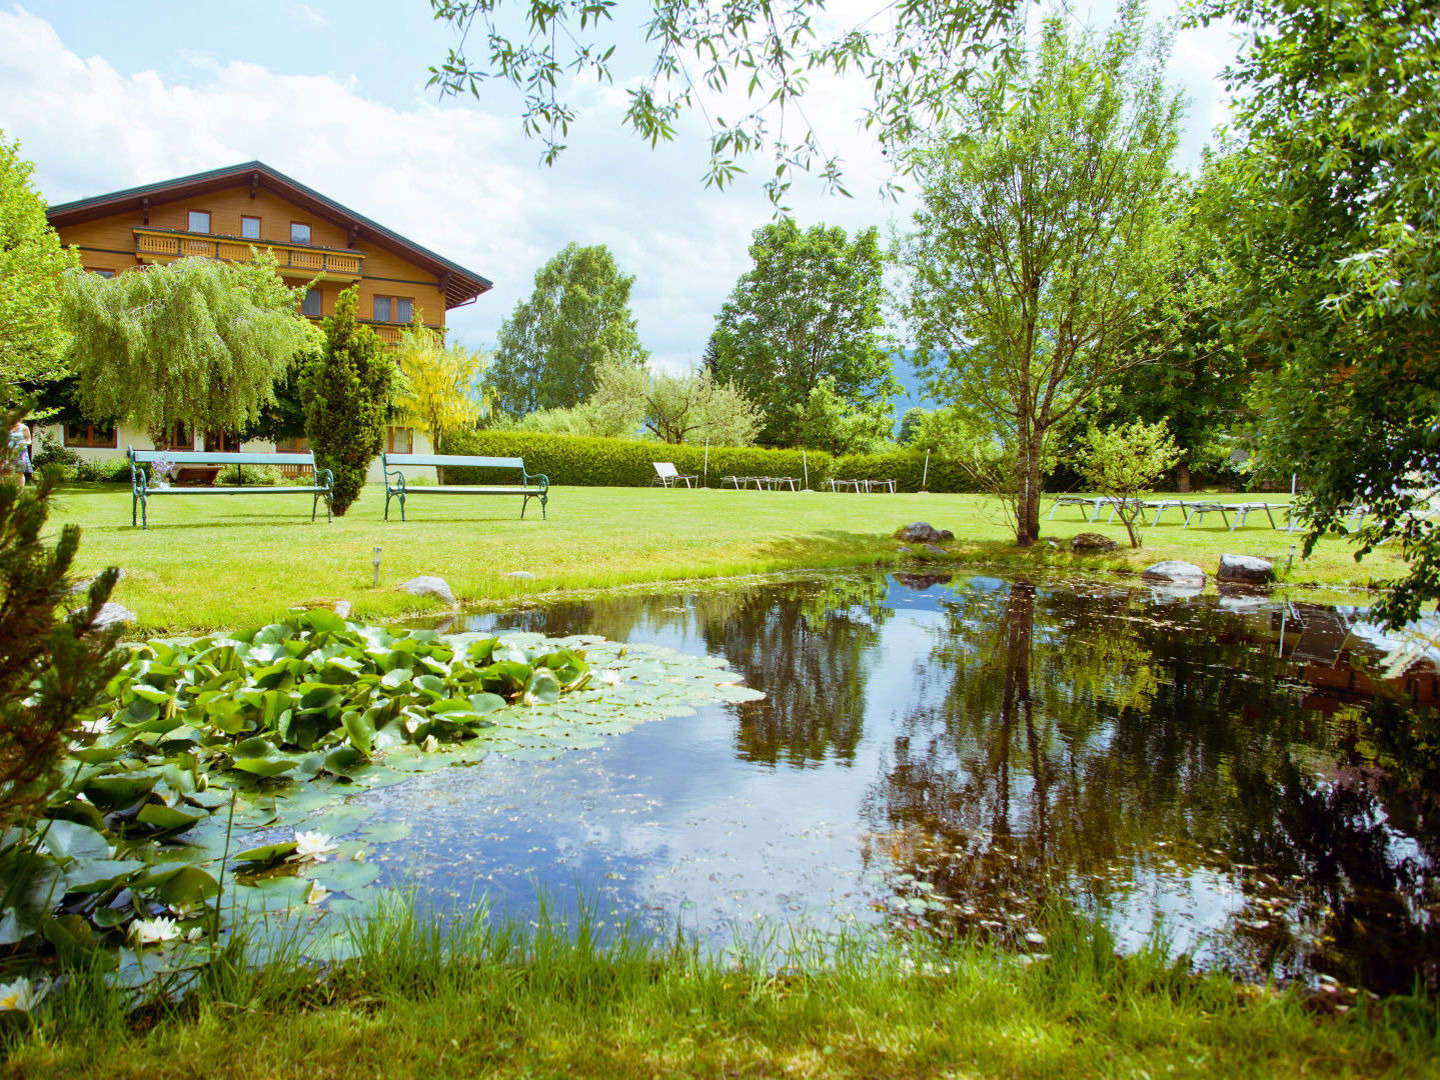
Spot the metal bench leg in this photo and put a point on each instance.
(543, 500)
(387, 502)
(402, 508)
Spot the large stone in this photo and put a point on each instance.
(1245, 570)
(1090, 541)
(937, 550)
(921, 532)
(113, 614)
(520, 575)
(429, 585)
(1174, 571)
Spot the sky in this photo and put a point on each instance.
(105, 95)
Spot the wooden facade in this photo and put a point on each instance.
(225, 213)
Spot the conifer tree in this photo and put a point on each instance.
(51, 666)
(347, 392)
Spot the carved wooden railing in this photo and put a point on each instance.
(302, 258)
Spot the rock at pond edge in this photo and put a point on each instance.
(922, 532)
(112, 614)
(429, 585)
(1092, 541)
(1174, 570)
(1245, 570)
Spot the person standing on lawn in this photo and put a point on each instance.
(19, 456)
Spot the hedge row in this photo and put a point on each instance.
(586, 462)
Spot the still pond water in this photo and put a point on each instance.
(963, 752)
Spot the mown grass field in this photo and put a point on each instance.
(218, 561)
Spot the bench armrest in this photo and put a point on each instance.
(544, 480)
(324, 478)
(399, 479)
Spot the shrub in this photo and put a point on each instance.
(111, 471)
(250, 476)
(54, 455)
(594, 462)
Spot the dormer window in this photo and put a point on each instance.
(200, 221)
(299, 232)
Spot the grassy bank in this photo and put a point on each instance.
(219, 561)
(478, 1000)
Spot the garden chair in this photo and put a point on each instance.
(666, 476)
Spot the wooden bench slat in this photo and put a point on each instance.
(200, 457)
(461, 460)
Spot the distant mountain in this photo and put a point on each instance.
(913, 394)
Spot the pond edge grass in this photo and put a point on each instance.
(472, 995)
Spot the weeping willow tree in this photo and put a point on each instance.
(197, 342)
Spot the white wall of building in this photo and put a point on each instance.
(129, 437)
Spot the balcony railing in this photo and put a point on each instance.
(163, 245)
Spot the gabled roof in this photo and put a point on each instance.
(460, 285)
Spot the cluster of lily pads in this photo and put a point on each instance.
(142, 858)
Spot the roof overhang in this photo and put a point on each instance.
(459, 284)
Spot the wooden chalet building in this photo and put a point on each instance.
(224, 213)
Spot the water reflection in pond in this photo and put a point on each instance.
(964, 752)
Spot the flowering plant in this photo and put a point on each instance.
(162, 468)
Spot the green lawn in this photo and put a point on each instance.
(219, 561)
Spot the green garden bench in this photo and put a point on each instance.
(143, 487)
(531, 486)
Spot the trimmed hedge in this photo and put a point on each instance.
(587, 462)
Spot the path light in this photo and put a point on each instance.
(376, 563)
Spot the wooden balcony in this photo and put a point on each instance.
(294, 260)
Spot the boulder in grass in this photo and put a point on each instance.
(521, 575)
(113, 614)
(1173, 572)
(429, 585)
(1245, 570)
(1092, 541)
(921, 532)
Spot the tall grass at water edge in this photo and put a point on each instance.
(472, 996)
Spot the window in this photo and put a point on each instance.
(223, 442)
(397, 309)
(312, 303)
(295, 444)
(200, 221)
(90, 436)
(179, 437)
(103, 273)
(299, 233)
(401, 440)
(249, 228)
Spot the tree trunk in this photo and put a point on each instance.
(1182, 477)
(1027, 504)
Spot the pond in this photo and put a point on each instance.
(964, 753)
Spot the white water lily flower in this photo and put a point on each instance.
(20, 996)
(317, 893)
(430, 745)
(95, 727)
(154, 931)
(312, 845)
(608, 677)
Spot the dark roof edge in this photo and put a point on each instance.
(274, 174)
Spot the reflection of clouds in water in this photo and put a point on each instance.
(1150, 727)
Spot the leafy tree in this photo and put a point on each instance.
(552, 344)
(1198, 382)
(1124, 462)
(1042, 244)
(838, 426)
(677, 408)
(32, 331)
(811, 306)
(916, 58)
(51, 668)
(1336, 223)
(910, 425)
(437, 385)
(347, 393)
(198, 341)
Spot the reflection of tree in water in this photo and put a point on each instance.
(805, 647)
(1062, 737)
